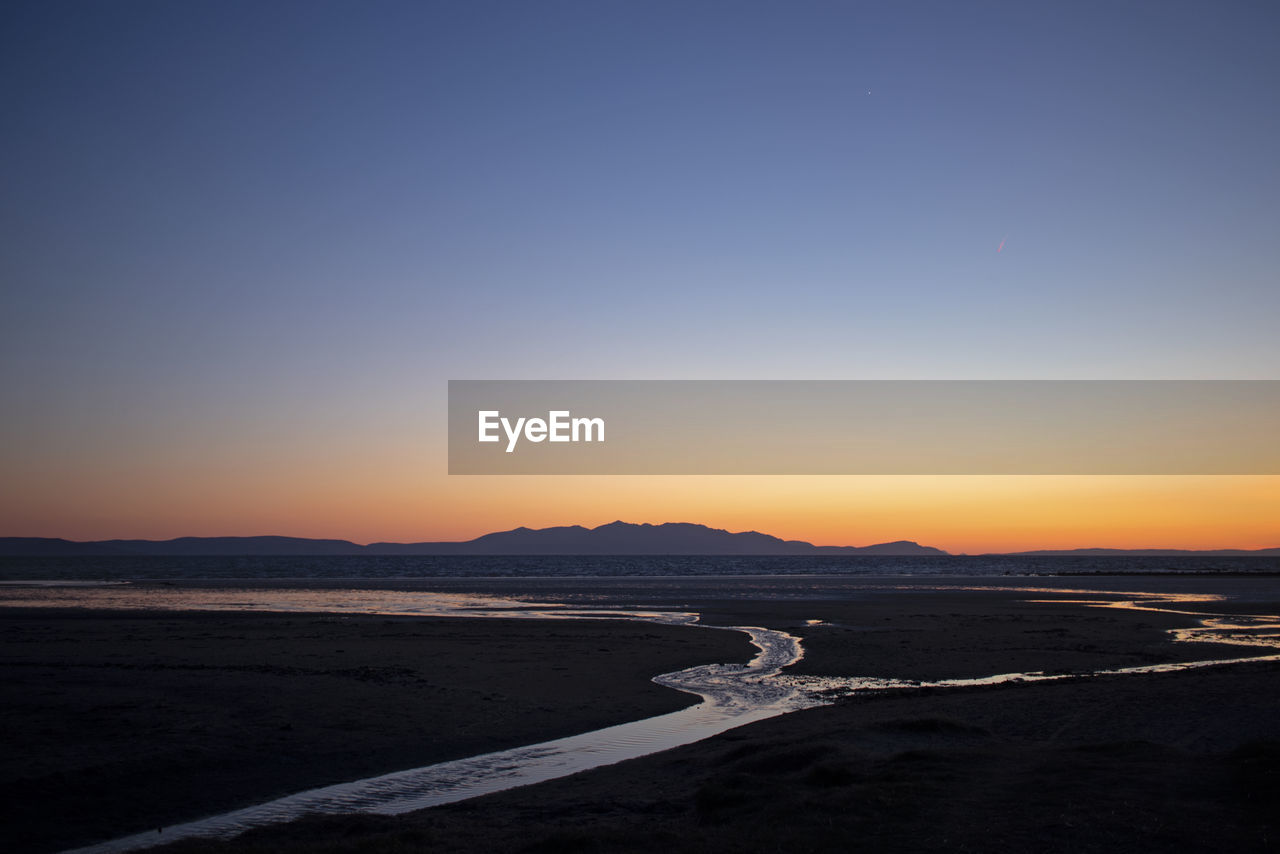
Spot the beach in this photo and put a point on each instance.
(1174, 762)
(117, 724)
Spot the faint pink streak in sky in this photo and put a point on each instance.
(1001, 246)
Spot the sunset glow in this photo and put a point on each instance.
(234, 297)
(377, 502)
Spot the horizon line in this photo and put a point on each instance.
(1022, 551)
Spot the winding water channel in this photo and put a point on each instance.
(731, 694)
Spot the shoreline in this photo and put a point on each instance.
(1189, 765)
(916, 629)
(143, 719)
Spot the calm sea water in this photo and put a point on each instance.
(126, 568)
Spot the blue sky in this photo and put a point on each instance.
(225, 217)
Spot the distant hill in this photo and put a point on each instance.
(624, 538)
(1150, 553)
(182, 546)
(616, 538)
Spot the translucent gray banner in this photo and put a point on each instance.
(864, 427)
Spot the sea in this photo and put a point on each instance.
(249, 568)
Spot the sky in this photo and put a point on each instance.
(246, 245)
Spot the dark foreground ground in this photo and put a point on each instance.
(1175, 762)
(1186, 761)
(113, 723)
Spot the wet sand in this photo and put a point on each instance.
(1171, 762)
(1177, 761)
(117, 722)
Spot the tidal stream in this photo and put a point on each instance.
(731, 694)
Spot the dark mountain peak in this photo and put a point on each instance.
(615, 538)
(645, 538)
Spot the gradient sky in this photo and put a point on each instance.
(246, 245)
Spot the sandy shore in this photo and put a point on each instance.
(119, 722)
(1167, 762)
(1173, 763)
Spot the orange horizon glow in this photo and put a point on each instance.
(960, 514)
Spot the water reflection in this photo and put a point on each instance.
(1259, 630)
(731, 694)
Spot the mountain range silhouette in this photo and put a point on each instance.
(615, 538)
